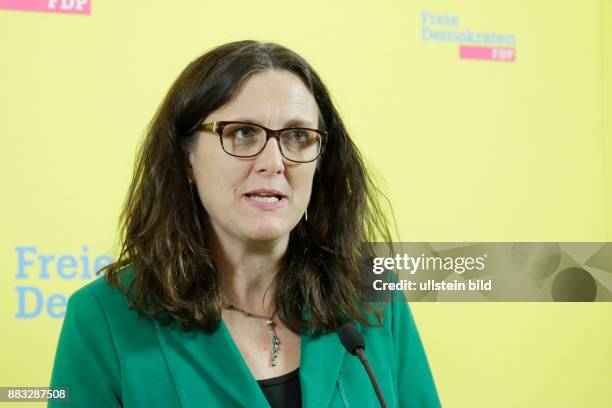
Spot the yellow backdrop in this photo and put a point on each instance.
(479, 150)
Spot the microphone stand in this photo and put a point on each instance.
(359, 352)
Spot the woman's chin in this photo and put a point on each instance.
(268, 230)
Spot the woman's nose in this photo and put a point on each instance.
(270, 160)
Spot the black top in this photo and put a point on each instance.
(283, 391)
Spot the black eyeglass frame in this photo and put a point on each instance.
(218, 127)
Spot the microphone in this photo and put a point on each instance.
(353, 342)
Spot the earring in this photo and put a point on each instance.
(306, 215)
(191, 185)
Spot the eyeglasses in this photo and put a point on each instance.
(244, 139)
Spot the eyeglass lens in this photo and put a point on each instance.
(245, 140)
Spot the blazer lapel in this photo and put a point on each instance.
(215, 356)
(320, 362)
(212, 356)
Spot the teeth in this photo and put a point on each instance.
(265, 199)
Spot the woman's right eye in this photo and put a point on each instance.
(243, 132)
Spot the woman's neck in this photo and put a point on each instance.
(248, 272)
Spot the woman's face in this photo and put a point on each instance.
(272, 99)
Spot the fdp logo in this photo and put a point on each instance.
(66, 5)
(53, 6)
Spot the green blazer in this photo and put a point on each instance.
(107, 357)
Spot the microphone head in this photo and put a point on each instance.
(351, 338)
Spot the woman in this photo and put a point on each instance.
(240, 256)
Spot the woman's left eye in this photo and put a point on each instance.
(298, 135)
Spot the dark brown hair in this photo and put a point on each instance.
(164, 239)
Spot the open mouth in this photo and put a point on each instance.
(265, 195)
(265, 198)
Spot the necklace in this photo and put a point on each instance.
(269, 323)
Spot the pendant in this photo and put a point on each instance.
(275, 343)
